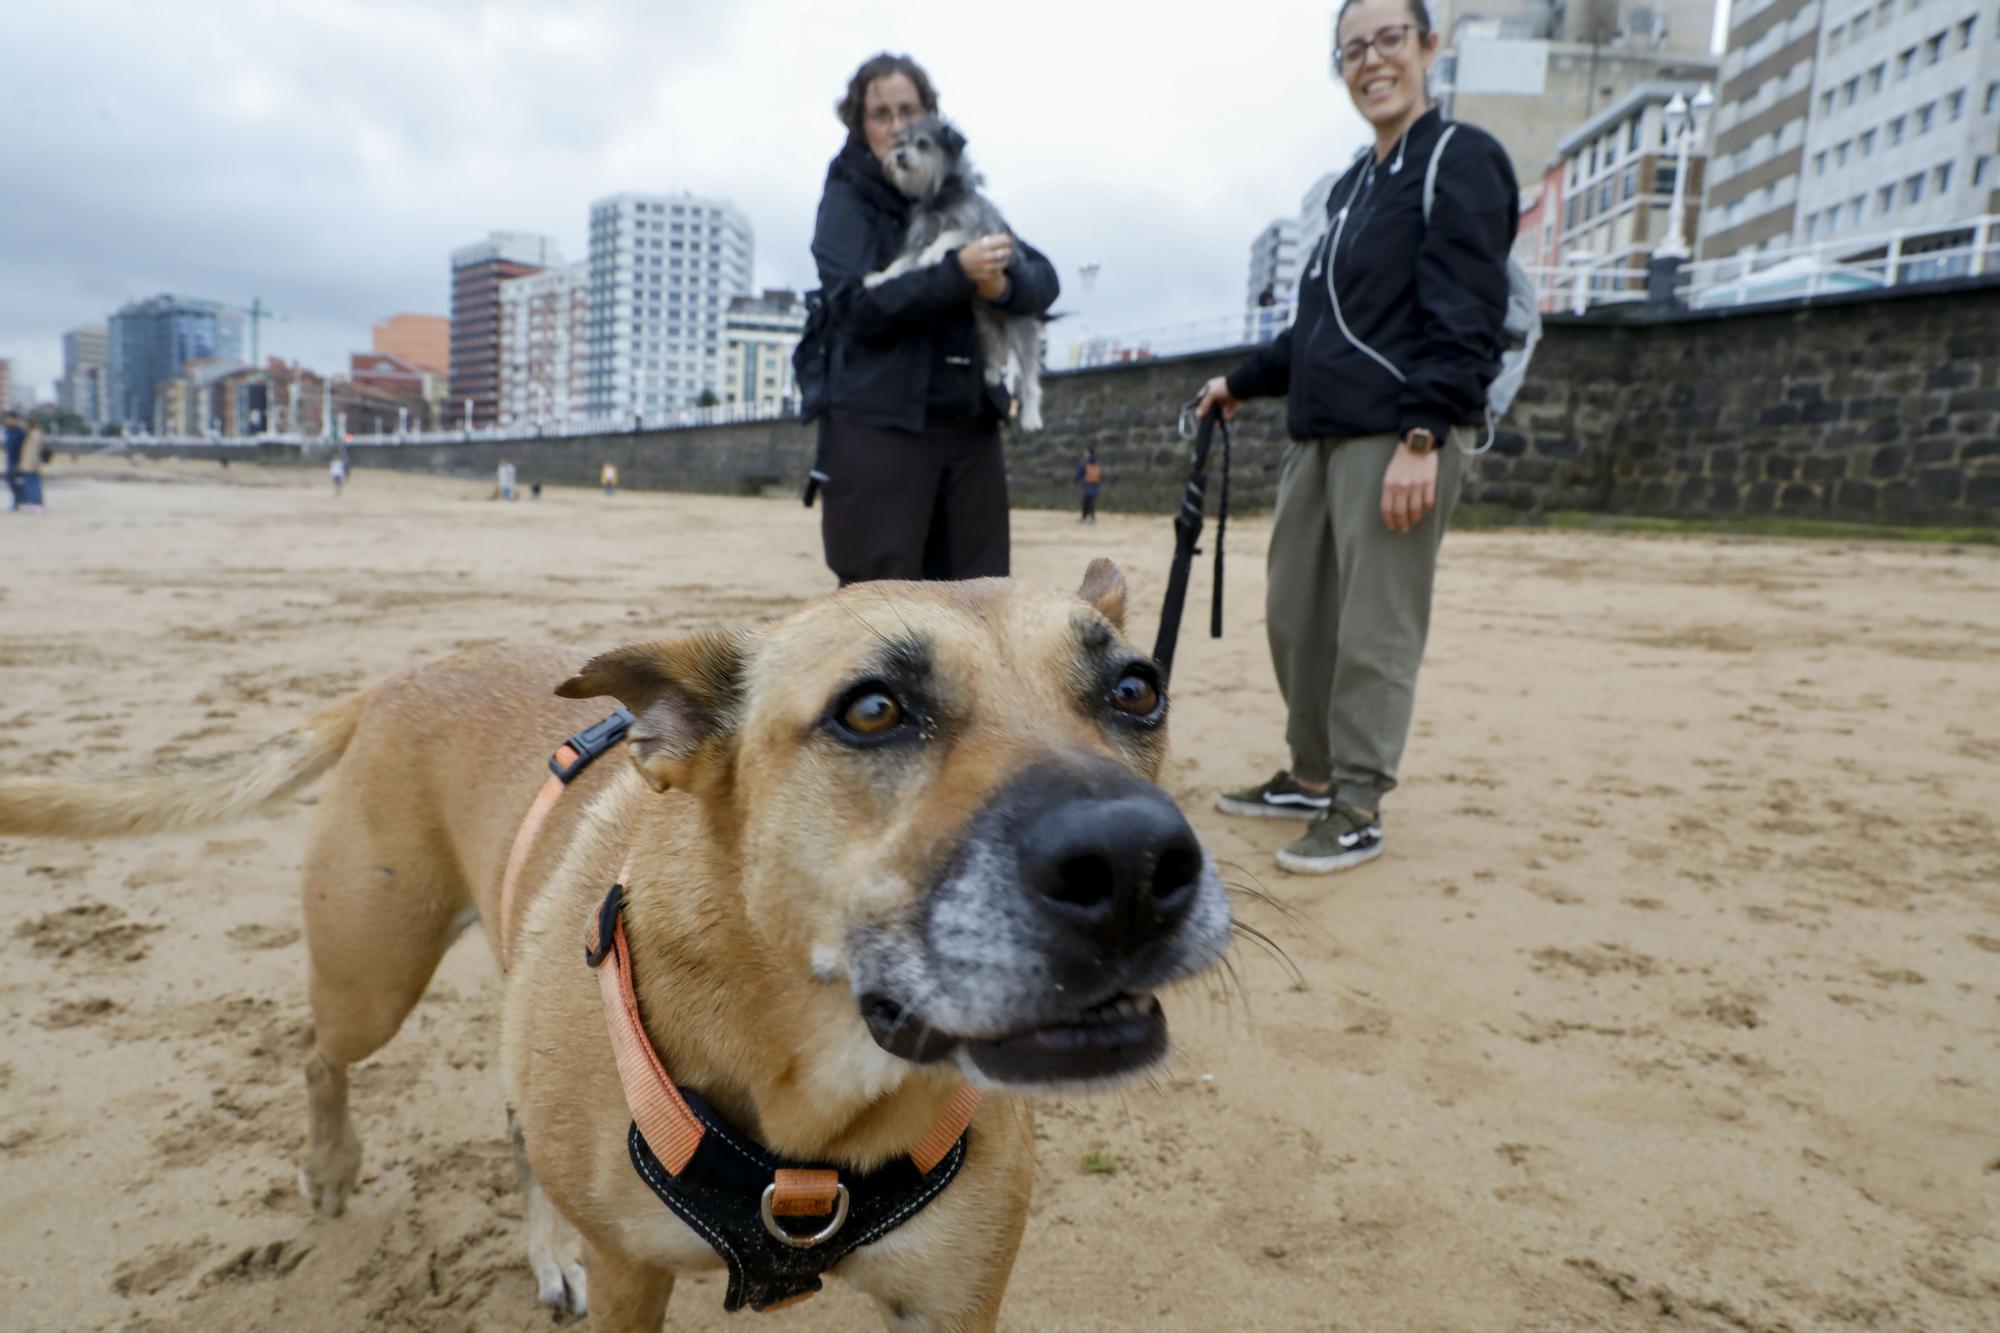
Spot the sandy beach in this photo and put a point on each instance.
(1675, 1003)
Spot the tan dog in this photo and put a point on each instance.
(904, 838)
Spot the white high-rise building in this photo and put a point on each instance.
(1904, 126)
(662, 271)
(1276, 257)
(759, 335)
(544, 328)
(85, 386)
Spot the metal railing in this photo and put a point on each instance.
(689, 418)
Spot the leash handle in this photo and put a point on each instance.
(1221, 527)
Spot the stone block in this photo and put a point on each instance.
(1939, 485)
(1983, 492)
(1854, 499)
(1889, 462)
(1760, 498)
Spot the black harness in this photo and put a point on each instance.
(723, 1194)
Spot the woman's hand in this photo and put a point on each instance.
(1216, 393)
(1409, 488)
(985, 262)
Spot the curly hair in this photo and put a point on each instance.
(849, 107)
(1420, 14)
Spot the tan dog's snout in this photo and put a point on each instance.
(1119, 872)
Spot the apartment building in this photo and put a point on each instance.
(1905, 123)
(759, 335)
(544, 333)
(662, 271)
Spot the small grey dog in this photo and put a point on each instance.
(929, 165)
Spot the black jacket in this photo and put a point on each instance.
(1429, 298)
(905, 354)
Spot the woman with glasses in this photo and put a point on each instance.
(909, 460)
(1396, 336)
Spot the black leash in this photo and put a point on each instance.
(1187, 533)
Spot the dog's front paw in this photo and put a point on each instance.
(328, 1176)
(875, 279)
(1031, 418)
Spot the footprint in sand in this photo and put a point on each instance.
(264, 935)
(76, 1013)
(160, 1267)
(95, 929)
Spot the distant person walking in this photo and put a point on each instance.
(1089, 475)
(336, 472)
(33, 445)
(607, 477)
(14, 432)
(506, 480)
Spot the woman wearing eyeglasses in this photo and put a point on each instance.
(1396, 336)
(909, 453)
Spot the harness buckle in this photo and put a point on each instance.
(589, 743)
(826, 1233)
(596, 950)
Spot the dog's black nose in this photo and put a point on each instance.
(1121, 871)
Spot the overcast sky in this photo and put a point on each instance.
(327, 155)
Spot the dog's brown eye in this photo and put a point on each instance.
(872, 713)
(1135, 696)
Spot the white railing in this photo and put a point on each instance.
(1968, 248)
(688, 418)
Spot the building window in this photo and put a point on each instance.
(1954, 106)
(1819, 163)
(1840, 152)
(1826, 102)
(1663, 177)
(1895, 131)
(1934, 49)
(1858, 206)
(1981, 169)
(1875, 77)
(1926, 114)
(1867, 143)
(1885, 200)
(1812, 224)
(1632, 135)
(1941, 178)
(1913, 189)
(1849, 89)
(1860, 25)
(1903, 63)
(1631, 182)
(1992, 97)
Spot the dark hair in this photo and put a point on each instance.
(1418, 11)
(881, 66)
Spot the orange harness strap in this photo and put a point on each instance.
(670, 1129)
(571, 758)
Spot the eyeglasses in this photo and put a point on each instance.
(1386, 41)
(894, 115)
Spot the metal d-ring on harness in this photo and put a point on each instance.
(1187, 532)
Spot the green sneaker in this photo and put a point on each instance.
(1278, 798)
(1340, 839)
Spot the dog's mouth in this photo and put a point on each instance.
(1119, 1035)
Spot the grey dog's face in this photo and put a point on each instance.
(926, 155)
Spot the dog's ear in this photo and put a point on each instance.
(686, 697)
(948, 135)
(1104, 588)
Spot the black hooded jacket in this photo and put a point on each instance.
(905, 354)
(1430, 298)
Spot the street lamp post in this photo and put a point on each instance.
(1580, 290)
(1683, 126)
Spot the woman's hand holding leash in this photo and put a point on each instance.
(1216, 393)
(985, 262)
(1409, 488)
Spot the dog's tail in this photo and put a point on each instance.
(182, 793)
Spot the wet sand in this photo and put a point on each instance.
(1675, 1003)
